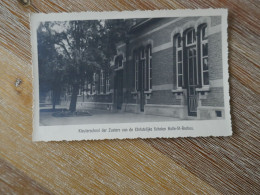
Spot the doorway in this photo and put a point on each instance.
(192, 82)
(142, 83)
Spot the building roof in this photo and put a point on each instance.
(140, 23)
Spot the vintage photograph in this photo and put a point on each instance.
(130, 70)
(155, 69)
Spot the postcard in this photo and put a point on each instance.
(130, 74)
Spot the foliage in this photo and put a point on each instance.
(70, 52)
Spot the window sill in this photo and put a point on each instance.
(134, 92)
(180, 90)
(119, 68)
(148, 92)
(203, 89)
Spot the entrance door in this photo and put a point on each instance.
(142, 83)
(119, 89)
(192, 78)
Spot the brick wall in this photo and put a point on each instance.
(215, 20)
(215, 97)
(215, 57)
(163, 97)
(164, 68)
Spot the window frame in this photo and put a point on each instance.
(101, 84)
(193, 36)
(136, 62)
(177, 36)
(107, 84)
(203, 42)
(148, 70)
(93, 89)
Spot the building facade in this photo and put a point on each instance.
(168, 66)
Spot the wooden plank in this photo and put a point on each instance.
(13, 181)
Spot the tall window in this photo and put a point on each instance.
(119, 61)
(179, 60)
(143, 68)
(191, 37)
(192, 56)
(149, 67)
(204, 55)
(107, 84)
(136, 61)
(94, 84)
(101, 82)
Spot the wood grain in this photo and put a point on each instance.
(212, 165)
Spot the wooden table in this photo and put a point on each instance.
(214, 165)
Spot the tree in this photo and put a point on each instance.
(50, 64)
(76, 49)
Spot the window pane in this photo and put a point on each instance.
(205, 49)
(203, 32)
(179, 80)
(189, 37)
(191, 91)
(206, 78)
(190, 53)
(179, 68)
(179, 56)
(194, 35)
(179, 41)
(191, 75)
(120, 61)
(190, 63)
(205, 64)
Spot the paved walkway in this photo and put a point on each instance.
(100, 117)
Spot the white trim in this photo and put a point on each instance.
(148, 92)
(205, 88)
(162, 47)
(120, 45)
(126, 104)
(119, 68)
(178, 90)
(214, 29)
(210, 108)
(102, 103)
(162, 87)
(164, 105)
(141, 23)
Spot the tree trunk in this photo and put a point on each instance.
(73, 101)
(53, 100)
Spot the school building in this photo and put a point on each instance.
(168, 66)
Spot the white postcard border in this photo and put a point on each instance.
(182, 128)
